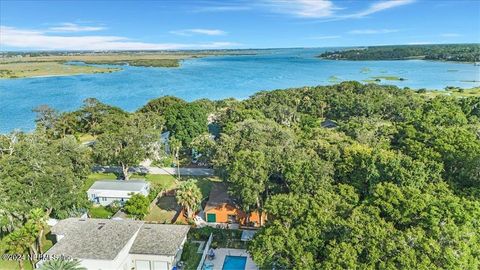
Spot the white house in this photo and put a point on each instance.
(106, 244)
(104, 192)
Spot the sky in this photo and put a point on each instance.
(198, 24)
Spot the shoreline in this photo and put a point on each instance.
(148, 61)
(58, 75)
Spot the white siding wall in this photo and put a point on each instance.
(106, 197)
(161, 261)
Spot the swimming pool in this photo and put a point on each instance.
(234, 263)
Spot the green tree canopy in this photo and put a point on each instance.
(44, 174)
(137, 206)
(129, 143)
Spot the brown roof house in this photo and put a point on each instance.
(222, 209)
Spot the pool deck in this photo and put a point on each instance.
(221, 253)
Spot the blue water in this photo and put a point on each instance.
(234, 263)
(216, 77)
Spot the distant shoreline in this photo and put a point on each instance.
(39, 66)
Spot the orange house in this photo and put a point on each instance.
(221, 208)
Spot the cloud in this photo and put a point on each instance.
(372, 31)
(449, 35)
(380, 6)
(190, 32)
(42, 40)
(326, 9)
(324, 37)
(72, 27)
(303, 8)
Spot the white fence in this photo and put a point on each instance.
(205, 251)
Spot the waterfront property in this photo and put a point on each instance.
(119, 244)
(104, 192)
(222, 209)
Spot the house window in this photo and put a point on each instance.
(211, 218)
(104, 199)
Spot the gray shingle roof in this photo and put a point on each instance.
(159, 239)
(126, 185)
(103, 239)
(100, 239)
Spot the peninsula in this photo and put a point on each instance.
(441, 52)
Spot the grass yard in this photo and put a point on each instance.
(98, 211)
(190, 256)
(164, 181)
(164, 210)
(13, 265)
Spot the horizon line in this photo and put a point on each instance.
(237, 49)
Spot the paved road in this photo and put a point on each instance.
(158, 170)
(183, 171)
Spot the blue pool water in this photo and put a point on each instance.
(234, 263)
(216, 77)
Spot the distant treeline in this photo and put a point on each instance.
(447, 52)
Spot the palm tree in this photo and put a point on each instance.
(19, 242)
(62, 265)
(189, 196)
(39, 220)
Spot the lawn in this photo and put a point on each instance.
(164, 181)
(190, 256)
(98, 211)
(13, 265)
(164, 210)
